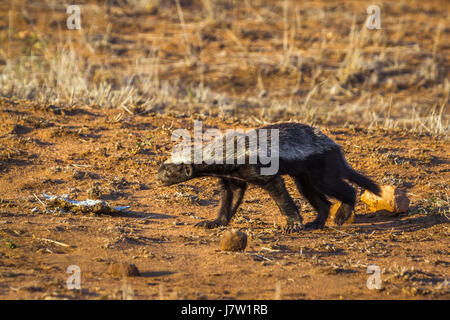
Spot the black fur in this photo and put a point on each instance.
(318, 176)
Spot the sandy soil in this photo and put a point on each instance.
(90, 112)
(94, 153)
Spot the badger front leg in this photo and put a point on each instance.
(231, 195)
(277, 190)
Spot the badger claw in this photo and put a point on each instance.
(343, 214)
(339, 220)
(210, 224)
(293, 227)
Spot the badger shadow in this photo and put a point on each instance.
(155, 274)
(369, 222)
(148, 216)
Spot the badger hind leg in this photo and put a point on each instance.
(231, 195)
(341, 190)
(317, 200)
(326, 173)
(278, 192)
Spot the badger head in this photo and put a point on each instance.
(173, 173)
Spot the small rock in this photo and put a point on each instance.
(123, 269)
(233, 240)
(392, 199)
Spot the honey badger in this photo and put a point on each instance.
(313, 160)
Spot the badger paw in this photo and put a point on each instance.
(343, 214)
(339, 220)
(293, 227)
(210, 224)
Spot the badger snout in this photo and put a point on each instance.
(161, 176)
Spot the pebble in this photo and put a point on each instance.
(233, 240)
(123, 269)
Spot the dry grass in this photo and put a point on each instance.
(314, 62)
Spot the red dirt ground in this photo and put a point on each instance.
(89, 152)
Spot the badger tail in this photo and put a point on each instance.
(361, 180)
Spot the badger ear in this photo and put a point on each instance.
(188, 170)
